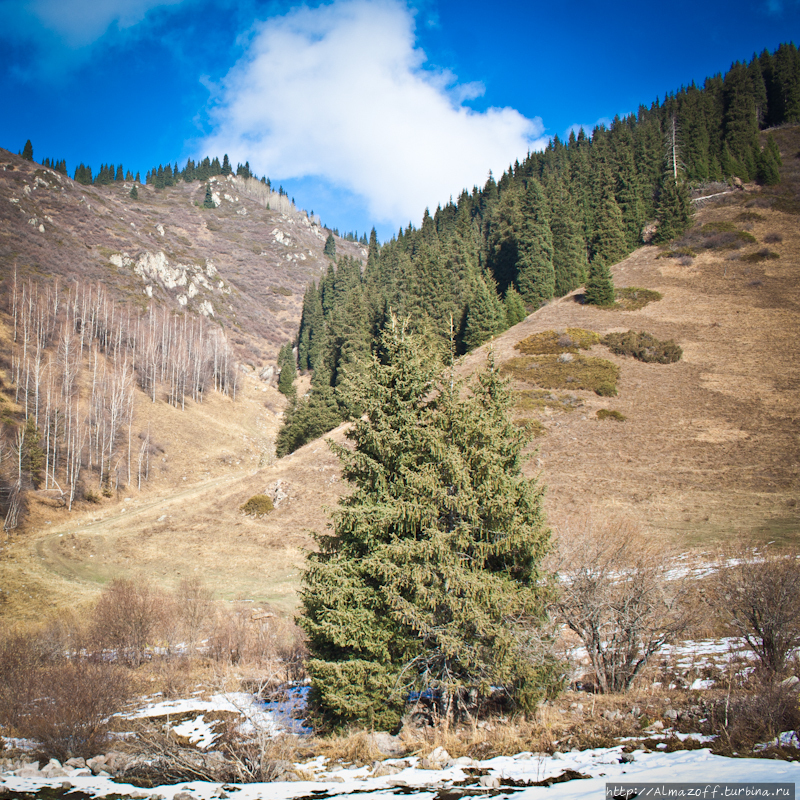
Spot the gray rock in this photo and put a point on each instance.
(75, 763)
(183, 796)
(388, 745)
(490, 781)
(96, 764)
(382, 770)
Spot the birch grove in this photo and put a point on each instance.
(77, 359)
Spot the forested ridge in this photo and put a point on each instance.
(480, 264)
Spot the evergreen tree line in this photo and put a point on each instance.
(478, 265)
(351, 236)
(76, 359)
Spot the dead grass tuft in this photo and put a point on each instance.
(354, 747)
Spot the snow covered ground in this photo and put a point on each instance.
(601, 766)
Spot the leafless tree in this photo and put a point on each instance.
(757, 594)
(617, 596)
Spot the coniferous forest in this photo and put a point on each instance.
(479, 264)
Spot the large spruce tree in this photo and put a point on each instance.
(432, 578)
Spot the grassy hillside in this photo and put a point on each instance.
(706, 448)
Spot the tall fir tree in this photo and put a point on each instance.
(535, 277)
(288, 371)
(674, 210)
(600, 284)
(432, 580)
(608, 243)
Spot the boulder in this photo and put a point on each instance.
(387, 744)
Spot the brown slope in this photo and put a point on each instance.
(51, 226)
(709, 448)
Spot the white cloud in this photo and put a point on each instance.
(339, 92)
(80, 22)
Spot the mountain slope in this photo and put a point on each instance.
(709, 449)
(242, 263)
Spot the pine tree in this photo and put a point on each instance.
(569, 247)
(209, 201)
(134, 193)
(608, 242)
(27, 151)
(515, 307)
(286, 364)
(535, 276)
(226, 165)
(330, 246)
(673, 211)
(481, 318)
(600, 284)
(311, 416)
(432, 579)
(768, 163)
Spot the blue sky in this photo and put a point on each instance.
(366, 111)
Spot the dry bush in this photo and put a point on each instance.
(62, 703)
(242, 635)
(69, 708)
(754, 713)
(643, 347)
(263, 757)
(195, 606)
(773, 238)
(757, 595)
(126, 617)
(617, 597)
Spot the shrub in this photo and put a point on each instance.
(773, 238)
(643, 347)
(616, 596)
(605, 413)
(69, 708)
(125, 617)
(91, 497)
(580, 372)
(259, 505)
(718, 227)
(749, 216)
(533, 427)
(632, 298)
(552, 342)
(758, 596)
(62, 703)
(761, 255)
(754, 713)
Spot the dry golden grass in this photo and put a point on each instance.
(709, 451)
